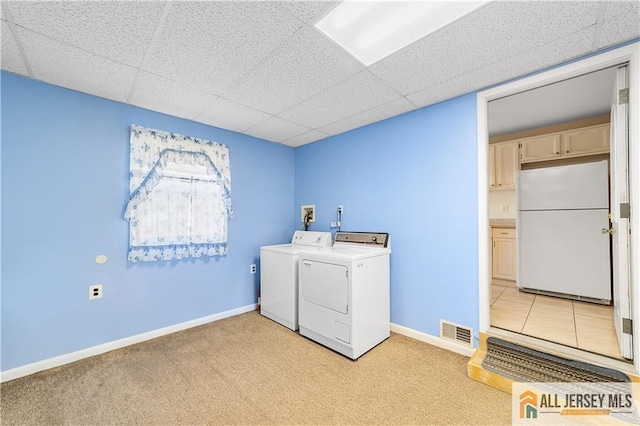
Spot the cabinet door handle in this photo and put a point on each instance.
(567, 152)
(557, 152)
(504, 233)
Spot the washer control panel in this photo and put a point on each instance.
(377, 239)
(312, 238)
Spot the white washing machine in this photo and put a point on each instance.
(344, 293)
(279, 276)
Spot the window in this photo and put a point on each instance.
(180, 196)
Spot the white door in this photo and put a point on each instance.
(325, 285)
(619, 213)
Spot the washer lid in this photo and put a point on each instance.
(312, 238)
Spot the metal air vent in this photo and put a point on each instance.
(456, 333)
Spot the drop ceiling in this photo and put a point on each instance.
(262, 69)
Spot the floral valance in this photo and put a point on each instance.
(180, 196)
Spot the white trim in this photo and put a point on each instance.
(629, 53)
(46, 364)
(483, 215)
(433, 340)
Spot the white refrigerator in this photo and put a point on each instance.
(562, 223)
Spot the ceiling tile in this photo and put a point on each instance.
(617, 8)
(495, 32)
(305, 10)
(166, 96)
(79, 70)
(560, 50)
(566, 48)
(357, 94)
(231, 116)
(391, 109)
(116, 30)
(620, 28)
(10, 60)
(276, 129)
(304, 65)
(305, 138)
(214, 43)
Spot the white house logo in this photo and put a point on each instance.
(528, 405)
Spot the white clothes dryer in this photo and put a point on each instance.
(344, 293)
(279, 276)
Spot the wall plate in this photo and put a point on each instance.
(303, 212)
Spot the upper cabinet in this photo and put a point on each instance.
(540, 148)
(505, 158)
(586, 141)
(503, 165)
(571, 143)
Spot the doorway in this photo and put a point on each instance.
(539, 302)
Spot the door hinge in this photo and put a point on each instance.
(623, 96)
(625, 211)
(627, 326)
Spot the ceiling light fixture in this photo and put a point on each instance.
(372, 30)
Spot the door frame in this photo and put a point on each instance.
(629, 53)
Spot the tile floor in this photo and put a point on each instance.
(580, 325)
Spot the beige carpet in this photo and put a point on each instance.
(250, 370)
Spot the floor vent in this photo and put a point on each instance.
(456, 333)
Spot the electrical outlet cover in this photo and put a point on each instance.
(95, 291)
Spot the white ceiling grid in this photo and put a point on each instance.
(261, 68)
(11, 60)
(306, 64)
(120, 31)
(229, 115)
(78, 69)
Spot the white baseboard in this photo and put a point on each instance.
(57, 361)
(433, 340)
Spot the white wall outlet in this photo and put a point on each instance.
(253, 268)
(341, 209)
(309, 209)
(504, 208)
(95, 291)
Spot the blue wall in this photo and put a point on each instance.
(414, 176)
(65, 163)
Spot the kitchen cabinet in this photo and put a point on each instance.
(503, 165)
(568, 144)
(540, 148)
(587, 141)
(504, 254)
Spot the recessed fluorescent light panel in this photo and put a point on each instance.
(372, 30)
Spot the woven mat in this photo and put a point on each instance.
(529, 365)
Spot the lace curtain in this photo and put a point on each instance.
(179, 201)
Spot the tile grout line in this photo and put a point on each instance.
(575, 323)
(528, 313)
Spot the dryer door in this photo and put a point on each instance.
(325, 284)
